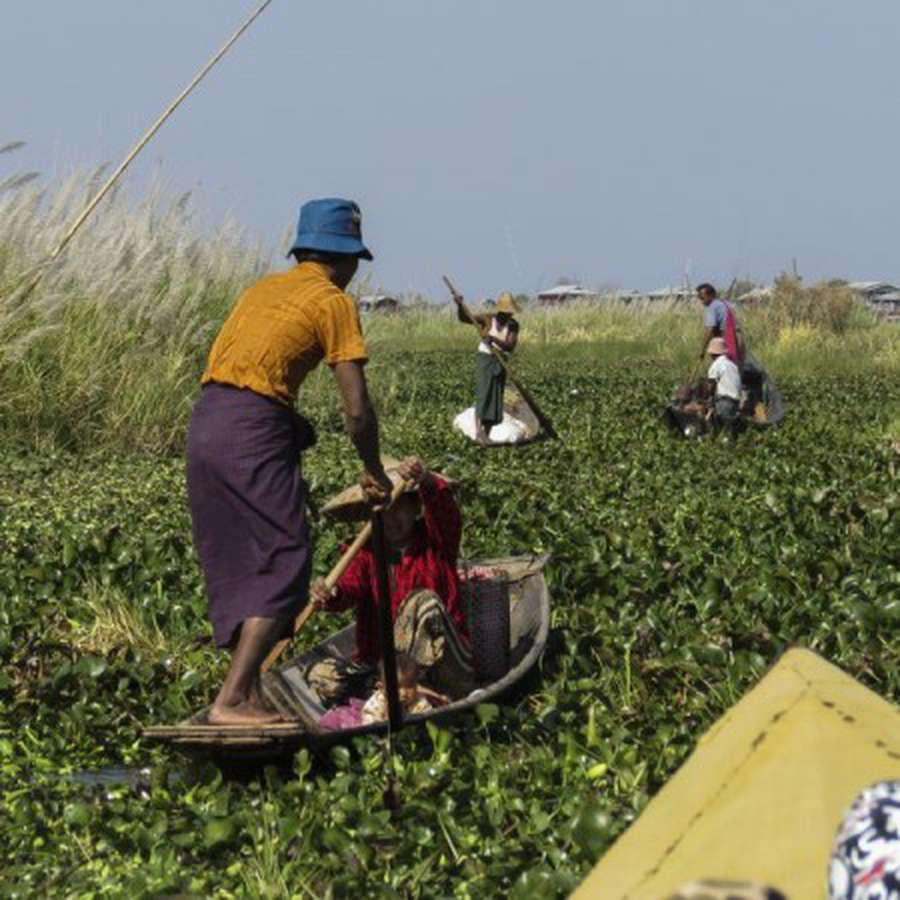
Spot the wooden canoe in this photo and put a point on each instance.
(286, 689)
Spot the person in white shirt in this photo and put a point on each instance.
(725, 384)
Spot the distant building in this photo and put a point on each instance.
(672, 293)
(563, 293)
(756, 295)
(378, 303)
(882, 297)
(625, 295)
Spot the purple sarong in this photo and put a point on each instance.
(248, 507)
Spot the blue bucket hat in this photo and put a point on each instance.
(331, 225)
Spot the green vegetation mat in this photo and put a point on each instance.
(680, 572)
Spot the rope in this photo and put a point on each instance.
(92, 205)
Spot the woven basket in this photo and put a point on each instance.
(488, 608)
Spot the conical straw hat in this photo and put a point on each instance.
(506, 303)
(350, 504)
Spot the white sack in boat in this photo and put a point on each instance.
(519, 423)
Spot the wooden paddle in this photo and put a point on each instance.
(539, 414)
(331, 579)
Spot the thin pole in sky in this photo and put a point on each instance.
(92, 205)
(514, 257)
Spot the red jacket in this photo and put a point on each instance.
(428, 562)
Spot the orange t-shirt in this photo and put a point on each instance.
(281, 328)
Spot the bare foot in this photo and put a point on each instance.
(246, 713)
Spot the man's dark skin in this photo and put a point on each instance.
(483, 321)
(359, 416)
(240, 700)
(706, 297)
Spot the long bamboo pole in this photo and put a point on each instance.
(539, 414)
(386, 625)
(93, 203)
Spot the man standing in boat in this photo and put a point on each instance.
(719, 321)
(245, 487)
(500, 330)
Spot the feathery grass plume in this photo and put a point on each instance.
(108, 346)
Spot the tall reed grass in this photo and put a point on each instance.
(109, 343)
(108, 349)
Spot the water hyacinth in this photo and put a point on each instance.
(670, 594)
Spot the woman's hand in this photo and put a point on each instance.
(412, 470)
(320, 594)
(376, 487)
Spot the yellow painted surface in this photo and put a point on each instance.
(762, 795)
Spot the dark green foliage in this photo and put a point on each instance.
(680, 573)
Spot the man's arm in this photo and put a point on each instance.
(708, 334)
(479, 320)
(361, 422)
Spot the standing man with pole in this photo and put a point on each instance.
(720, 321)
(500, 331)
(245, 487)
(493, 345)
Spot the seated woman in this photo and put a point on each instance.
(422, 532)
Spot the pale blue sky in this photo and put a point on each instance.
(506, 142)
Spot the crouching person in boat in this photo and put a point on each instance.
(714, 401)
(724, 385)
(245, 487)
(422, 532)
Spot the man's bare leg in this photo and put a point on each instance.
(240, 700)
(480, 434)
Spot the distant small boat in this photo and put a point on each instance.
(763, 406)
(519, 426)
(287, 690)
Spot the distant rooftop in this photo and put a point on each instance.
(567, 290)
(872, 287)
(669, 291)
